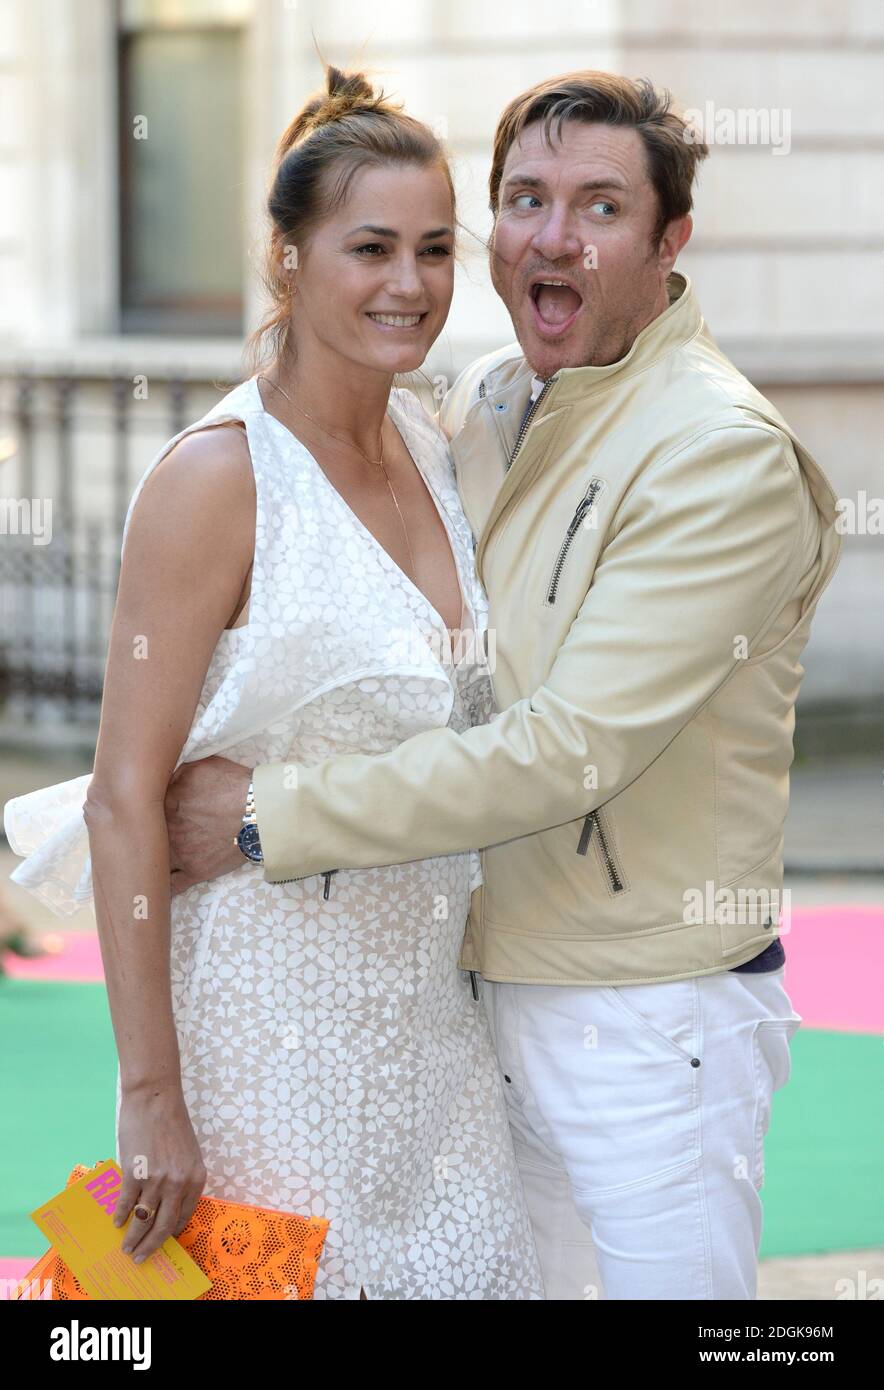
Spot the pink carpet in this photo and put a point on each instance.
(834, 965)
(75, 956)
(13, 1267)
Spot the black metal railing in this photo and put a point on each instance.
(71, 450)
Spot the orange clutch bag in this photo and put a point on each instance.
(247, 1252)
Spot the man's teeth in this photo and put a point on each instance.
(397, 320)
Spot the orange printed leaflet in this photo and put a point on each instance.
(78, 1224)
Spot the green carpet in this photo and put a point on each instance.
(823, 1157)
(57, 1096)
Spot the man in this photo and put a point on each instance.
(653, 540)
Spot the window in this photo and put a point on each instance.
(181, 108)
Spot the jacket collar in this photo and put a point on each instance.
(676, 326)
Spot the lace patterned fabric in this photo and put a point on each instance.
(333, 1058)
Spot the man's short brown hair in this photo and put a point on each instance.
(610, 99)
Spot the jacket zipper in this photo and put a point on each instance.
(300, 879)
(593, 821)
(523, 429)
(583, 506)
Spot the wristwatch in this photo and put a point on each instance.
(247, 838)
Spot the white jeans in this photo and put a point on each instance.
(642, 1168)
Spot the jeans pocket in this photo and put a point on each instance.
(667, 1013)
(771, 1041)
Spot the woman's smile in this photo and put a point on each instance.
(390, 321)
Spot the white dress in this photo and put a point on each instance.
(333, 1057)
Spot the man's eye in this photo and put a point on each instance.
(603, 203)
(369, 246)
(519, 200)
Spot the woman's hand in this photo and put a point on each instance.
(158, 1142)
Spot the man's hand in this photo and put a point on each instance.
(205, 803)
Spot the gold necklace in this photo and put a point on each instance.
(374, 462)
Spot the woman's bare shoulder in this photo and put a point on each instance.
(201, 495)
(214, 458)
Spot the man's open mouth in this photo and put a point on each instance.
(556, 304)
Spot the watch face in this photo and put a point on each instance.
(249, 843)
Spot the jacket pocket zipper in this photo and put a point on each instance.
(594, 822)
(300, 879)
(583, 507)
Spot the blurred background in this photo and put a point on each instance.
(135, 143)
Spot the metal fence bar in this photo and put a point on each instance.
(56, 599)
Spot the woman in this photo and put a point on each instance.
(291, 572)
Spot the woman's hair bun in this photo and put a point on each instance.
(354, 86)
(345, 92)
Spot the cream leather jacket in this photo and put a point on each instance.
(653, 541)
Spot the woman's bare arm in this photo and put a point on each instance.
(188, 549)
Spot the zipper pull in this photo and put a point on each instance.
(586, 833)
(584, 504)
(327, 876)
(473, 985)
(584, 507)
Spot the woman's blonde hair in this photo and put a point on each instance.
(338, 131)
